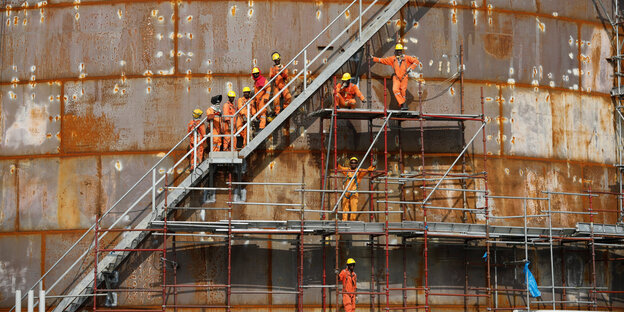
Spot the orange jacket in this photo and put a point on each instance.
(216, 120)
(400, 67)
(282, 79)
(348, 172)
(349, 281)
(229, 109)
(201, 131)
(242, 115)
(349, 92)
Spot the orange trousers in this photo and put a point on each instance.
(287, 97)
(399, 87)
(243, 132)
(348, 302)
(220, 143)
(260, 102)
(200, 155)
(349, 204)
(343, 103)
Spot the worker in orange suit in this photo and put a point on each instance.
(350, 198)
(279, 83)
(345, 93)
(241, 119)
(262, 97)
(227, 121)
(403, 66)
(197, 156)
(349, 286)
(215, 110)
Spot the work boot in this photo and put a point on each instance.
(404, 107)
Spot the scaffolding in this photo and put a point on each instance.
(413, 225)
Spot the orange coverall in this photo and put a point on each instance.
(241, 119)
(201, 133)
(345, 97)
(261, 99)
(350, 200)
(399, 79)
(217, 122)
(278, 84)
(228, 110)
(349, 285)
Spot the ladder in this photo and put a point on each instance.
(151, 183)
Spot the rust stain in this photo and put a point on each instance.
(499, 46)
(87, 133)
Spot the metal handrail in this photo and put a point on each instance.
(305, 69)
(117, 219)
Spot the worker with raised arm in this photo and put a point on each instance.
(350, 198)
(241, 119)
(349, 286)
(262, 97)
(196, 124)
(215, 110)
(227, 121)
(403, 65)
(345, 93)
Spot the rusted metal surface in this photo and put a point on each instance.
(93, 90)
(8, 201)
(19, 265)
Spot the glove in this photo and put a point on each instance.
(364, 101)
(375, 162)
(336, 271)
(412, 74)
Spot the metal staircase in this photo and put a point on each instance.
(136, 201)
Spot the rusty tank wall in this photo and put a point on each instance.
(92, 93)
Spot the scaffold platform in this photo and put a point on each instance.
(369, 114)
(405, 228)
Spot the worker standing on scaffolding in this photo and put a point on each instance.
(227, 121)
(350, 200)
(241, 119)
(196, 124)
(403, 65)
(215, 110)
(349, 286)
(345, 93)
(280, 84)
(262, 97)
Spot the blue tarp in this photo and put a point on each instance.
(531, 283)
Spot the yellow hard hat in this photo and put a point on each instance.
(353, 158)
(350, 261)
(255, 70)
(231, 94)
(275, 56)
(346, 76)
(246, 89)
(398, 46)
(197, 113)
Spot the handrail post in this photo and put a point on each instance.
(153, 190)
(305, 69)
(248, 134)
(360, 21)
(18, 300)
(211, 136)
(194, 152)
(232, 133)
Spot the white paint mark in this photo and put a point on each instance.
(30, 125)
